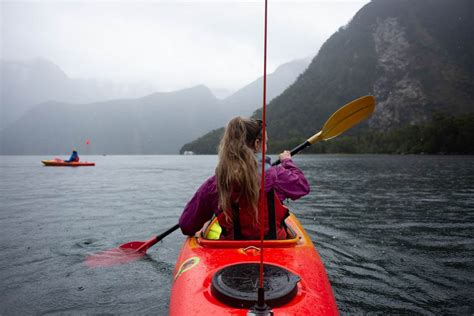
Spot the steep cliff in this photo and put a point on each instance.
(415, 57)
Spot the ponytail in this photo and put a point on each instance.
(237, 169)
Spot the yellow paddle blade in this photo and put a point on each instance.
(349, 115)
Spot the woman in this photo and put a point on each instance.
(232, 194)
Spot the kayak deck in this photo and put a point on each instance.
(62, 163)
(200, 259)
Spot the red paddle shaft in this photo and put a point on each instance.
(144, 247)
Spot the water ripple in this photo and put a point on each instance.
(396, 233)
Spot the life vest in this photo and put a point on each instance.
(244, 226)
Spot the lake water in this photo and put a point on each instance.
(396, 233)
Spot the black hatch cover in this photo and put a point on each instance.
(237, 285)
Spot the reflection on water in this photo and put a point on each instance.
(395, 232)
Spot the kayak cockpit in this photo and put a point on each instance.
(209, 237)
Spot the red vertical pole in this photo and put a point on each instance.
(263, 199)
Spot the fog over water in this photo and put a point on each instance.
(396, 233)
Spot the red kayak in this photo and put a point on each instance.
(220, 277)
(62, 163)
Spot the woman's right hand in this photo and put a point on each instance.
(285, 155)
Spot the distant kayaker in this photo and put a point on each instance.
(74, 157)
(232, 194)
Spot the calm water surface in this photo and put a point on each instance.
(396, 233)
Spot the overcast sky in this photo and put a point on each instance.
(171, 44)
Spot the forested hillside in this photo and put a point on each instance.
(415, 57)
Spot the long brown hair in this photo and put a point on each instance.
(237, 169)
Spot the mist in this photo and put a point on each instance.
(169, 45)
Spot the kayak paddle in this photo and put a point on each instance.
(343, 119)
(127, 252)
(347, 116)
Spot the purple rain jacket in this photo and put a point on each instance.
(286, 179)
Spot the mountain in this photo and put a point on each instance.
(27, 83)
(249, 98)
(155, 124)
(415, 57)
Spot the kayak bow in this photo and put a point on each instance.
(202, 285)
